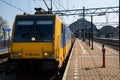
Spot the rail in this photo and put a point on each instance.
(3, 60)
(114, 43)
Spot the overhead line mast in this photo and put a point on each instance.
(94, 11)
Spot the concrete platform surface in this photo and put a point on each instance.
(86, 64)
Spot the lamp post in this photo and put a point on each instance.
(92, 31)
(8, 30)
(4, 37)
(83, 24)
(89, 36)
(119, 36)
(100, 14)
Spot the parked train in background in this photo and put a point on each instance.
(40, 40)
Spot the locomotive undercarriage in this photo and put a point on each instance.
(33, 65)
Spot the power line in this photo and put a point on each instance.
(57, 9)
(46, 4)
(67, 4)
(12, 5)
(29, 6)
(113, 2)
(113, 17)
(59, 4)
(55, 6)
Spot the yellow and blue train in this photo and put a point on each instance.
(39, 40)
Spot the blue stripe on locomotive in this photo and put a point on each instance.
(66, 36)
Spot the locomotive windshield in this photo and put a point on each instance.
(37, 31)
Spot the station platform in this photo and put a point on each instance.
(87, 64)
(3, 51)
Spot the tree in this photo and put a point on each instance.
(3, 24)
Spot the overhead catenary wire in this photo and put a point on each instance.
(113, 17)
(59, 4)
(46, 4)
(62, 7)
(67, 4)
(57, 9)
(13, 6)
(29, 6)
(55, 6)
(113, 3)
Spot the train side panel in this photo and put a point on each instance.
(62, 41)
(66, 41)
(58, 49)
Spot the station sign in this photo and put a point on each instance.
(6, 29)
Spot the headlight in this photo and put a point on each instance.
(46, 54)
(17, 54)
(33, 38)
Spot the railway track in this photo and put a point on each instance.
(109, 42)
(3, 62)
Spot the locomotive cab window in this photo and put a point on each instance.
(22, 28)
(40, 30)
(44, 29)
(25, 23)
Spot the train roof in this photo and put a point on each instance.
(36, 16)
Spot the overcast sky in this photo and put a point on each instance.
(9, 13)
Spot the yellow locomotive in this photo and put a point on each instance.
(40, 40)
